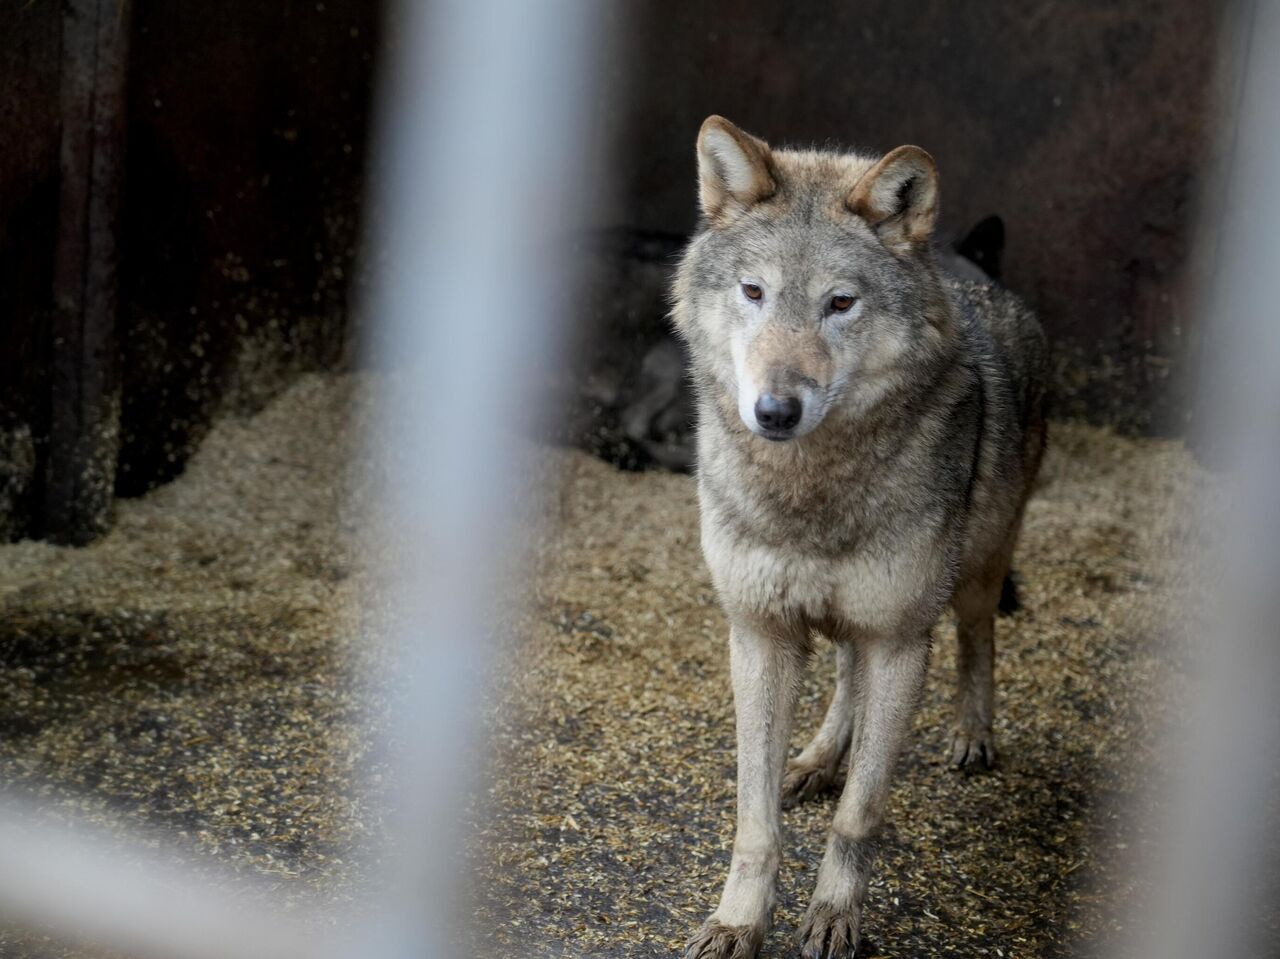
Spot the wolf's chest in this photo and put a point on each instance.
(869, 586)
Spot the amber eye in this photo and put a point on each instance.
(841, 304)
(752, 291)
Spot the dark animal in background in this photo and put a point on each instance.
(624, 386)
(659, 416)
(983, 246)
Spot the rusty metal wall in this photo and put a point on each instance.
(29, 82)
(246, 143)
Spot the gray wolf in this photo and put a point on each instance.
(868, 432)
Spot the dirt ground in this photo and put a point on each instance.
(202, 671)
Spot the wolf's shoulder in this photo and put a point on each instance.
(997, 309)
(1002, 326)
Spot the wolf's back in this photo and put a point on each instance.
(1012, 340)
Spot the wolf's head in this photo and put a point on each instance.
(810, 291)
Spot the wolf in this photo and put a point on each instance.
(868, 433)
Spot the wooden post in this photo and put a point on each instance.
(84, 435)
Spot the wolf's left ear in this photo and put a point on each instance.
(899, 198)
(735, 170)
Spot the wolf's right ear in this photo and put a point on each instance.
(735, 170)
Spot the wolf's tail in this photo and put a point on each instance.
(1010, 601)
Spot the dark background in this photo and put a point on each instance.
(1083, 125)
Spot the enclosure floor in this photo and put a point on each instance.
(614, 804)
(198, 672)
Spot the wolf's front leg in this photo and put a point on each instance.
(890, 675)
(766, 667)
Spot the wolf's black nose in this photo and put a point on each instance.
(777, 412)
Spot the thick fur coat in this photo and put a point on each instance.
(868, 432)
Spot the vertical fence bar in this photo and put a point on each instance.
(483, 173)
(85, 401)
(1213, 882)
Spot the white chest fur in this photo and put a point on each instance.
(872, 589)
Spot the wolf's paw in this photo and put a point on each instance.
(829, 932)
(805, 781)
(715, 940)
(972, 746)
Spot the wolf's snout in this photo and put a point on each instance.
(778, 414)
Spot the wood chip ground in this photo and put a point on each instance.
(199, 671)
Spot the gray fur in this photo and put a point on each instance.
(901, 492)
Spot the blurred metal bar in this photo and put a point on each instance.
(1214, 884)
(484, 160)
(78, 884)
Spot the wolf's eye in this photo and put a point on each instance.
(841, 304)
(752, 291)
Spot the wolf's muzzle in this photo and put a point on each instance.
(778, 415)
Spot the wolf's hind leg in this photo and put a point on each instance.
(975, 603)
(815, 770)
(766, 672)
